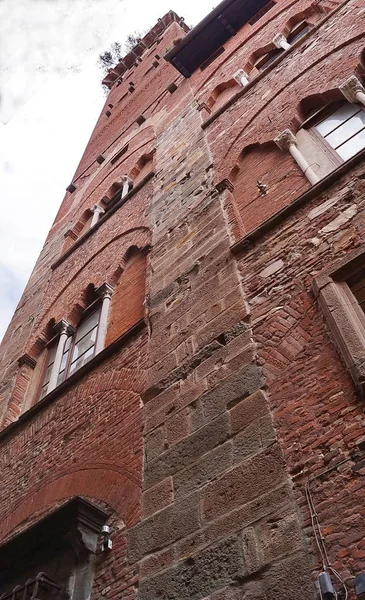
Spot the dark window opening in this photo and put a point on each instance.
(265, 61)
(356, 284)
(300, 30)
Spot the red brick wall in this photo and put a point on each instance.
(128, 300)
(275, 169)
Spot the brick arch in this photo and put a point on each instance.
(143, 167)
(75, 286)
(106, 483)
(306, 82)
(222, 92)
(264, 164)
(313, 102)
(249, 66)
(311, 14)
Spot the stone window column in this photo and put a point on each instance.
(105, 292)
(65, 330)
(280, 42)
(241, 77)
(353, 90)
(98, 212)
(287, 142)
(127, 184)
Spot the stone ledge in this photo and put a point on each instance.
(106, 216)
(308, 195)
(68, 383)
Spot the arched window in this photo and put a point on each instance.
(299, 30)
(72, 347)
(128, 301)
(340, 129)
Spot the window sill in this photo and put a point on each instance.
(308, 195)
(273, 65)
(104, 218)
(70, 381)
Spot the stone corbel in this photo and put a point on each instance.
(27, 360)
(225, 184)
(353, 90)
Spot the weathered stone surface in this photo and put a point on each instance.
(288, 580)
(204, 470)
(252, 478)
(240, 384)
(199, 575)
(187, 450)
(248, 410)
(258, 435)
(165, 527)
(157, 498)
(155, 443)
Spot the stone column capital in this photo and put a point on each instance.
(125, 179)
(285, 140)
(280, 41)
(97, 209)
(64, 327)
(105, 290)
(351, 87)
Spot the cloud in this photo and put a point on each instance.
(51, 97)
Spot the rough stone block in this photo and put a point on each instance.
(198, 576)
(251, 550)
(204, 470)
(279, 536)
(154, 443)
(248, 410)
(187, 450)
(252, 478)
(240, 384)
(163, 528)
(258, 435)
(290, 580)
(157, 498)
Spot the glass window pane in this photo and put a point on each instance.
(347, 130)
(47, 375)
(84, 344)
(353, 146)
(82, 360)
(338, 117)
(44, 391)
(87, 325)
(64, 360)
(51, 355)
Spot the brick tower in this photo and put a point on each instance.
(182, 383)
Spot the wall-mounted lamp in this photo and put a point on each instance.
(106, 544)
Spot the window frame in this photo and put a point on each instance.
(88, 312)
(53, 343)
(343, 313)
(300, 29)
(318, 117)
(264, 61)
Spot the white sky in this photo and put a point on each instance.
(50, 98)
